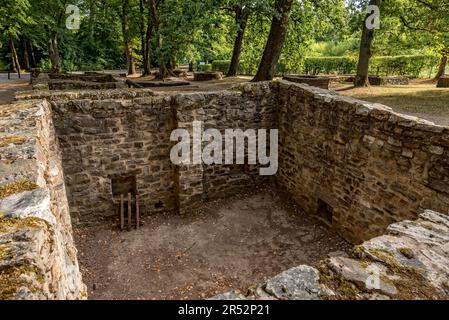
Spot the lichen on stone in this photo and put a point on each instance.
(13, 277)
(12, 224)
(16, 187)
(5, 252)
(11, 140)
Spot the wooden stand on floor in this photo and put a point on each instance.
(126, 212)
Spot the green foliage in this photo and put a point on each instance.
(410, 65)
(204, 67)
(330, 65)
(221, 65)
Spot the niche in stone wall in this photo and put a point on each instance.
(325, 212)
(123, 184)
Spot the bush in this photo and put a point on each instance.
(204, 67)
(221, 65)
(411, 65)
(328, 65)
(406, 65)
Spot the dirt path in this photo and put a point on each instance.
(232, 244)
(9, 87)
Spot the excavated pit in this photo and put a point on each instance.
(225, 245)
(347, 170)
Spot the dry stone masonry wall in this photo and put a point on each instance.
(358, 166)
(37, 253)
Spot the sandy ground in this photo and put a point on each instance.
(227, 245)
(9, 87)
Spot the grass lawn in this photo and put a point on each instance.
(420, 98)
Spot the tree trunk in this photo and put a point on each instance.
(126, 39)
(442, 69)
(15, 65)
(275, 41)
(53, 52)
(26, 57)
(163, 70)
(32, 55)
(241, 18)
(361, 79)
(145, 36)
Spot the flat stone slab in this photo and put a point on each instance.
(158, 84)
(299, 283)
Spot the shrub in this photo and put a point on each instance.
(410, 65)
(221, 65)
(204, 67)
(328, 65)
(405, 65)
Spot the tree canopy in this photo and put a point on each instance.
(278, 35)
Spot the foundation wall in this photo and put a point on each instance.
(37, 252)
(359, 164)
(106, 141)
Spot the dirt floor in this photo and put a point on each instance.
(9, 87)
(227, 245)
(421, 98)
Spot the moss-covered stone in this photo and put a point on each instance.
(11, 140)
(5, 252)
(16, 187)
(406, 252)
(12, 224)
(13, 277)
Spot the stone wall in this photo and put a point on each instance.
(359, 165)
(252, 107)
(37, 253)
(103, 139)
(108, 140)
(356, 165)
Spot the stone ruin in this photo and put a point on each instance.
(74, 81)
(364, 170)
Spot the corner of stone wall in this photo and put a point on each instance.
(37, 253)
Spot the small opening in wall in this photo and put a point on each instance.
(159, 205)
(123, 185)
(325, 212)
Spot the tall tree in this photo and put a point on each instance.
(365, 52)
(146, 29)
(275, 41)
(429, 18)
(241, 12)
(14, 14)
(127, 38)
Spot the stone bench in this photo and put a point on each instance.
(207, 76)
(382, 81)
(314, 81)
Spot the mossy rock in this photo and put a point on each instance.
(14, 277)
(4, 141)
(12, 224)
(17, 186)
